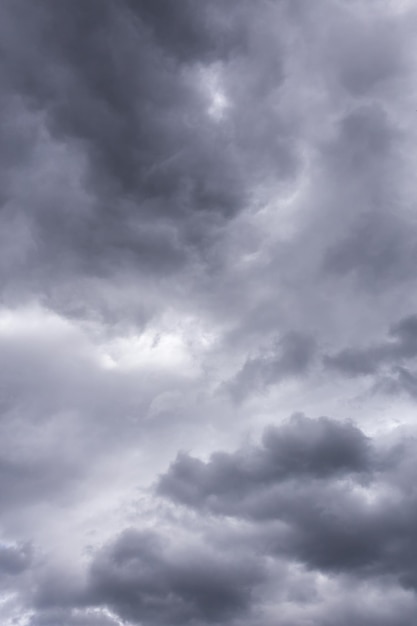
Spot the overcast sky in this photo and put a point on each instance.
(208, 313)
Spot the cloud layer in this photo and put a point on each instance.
(207, 225)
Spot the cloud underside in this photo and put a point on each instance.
(316, 522)
(208, 224)
(142, 132)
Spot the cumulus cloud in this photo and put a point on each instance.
(289, 528)
(318, 492)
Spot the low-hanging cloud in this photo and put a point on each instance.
(207, 224)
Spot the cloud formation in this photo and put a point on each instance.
(315, 500)
(207, 224)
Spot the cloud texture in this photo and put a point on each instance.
(208, 243)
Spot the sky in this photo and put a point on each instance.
(208, 312)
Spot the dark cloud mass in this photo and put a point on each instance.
(143, 582)
(137, 177)
(344, 501)
(207, 224)
(399, 347)
(316, 495)
(14, 559)
(290, 357)
(300, 447)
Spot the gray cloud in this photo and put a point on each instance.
(199, 587)
(106, 120)
(206, 225)
(310, 478)
(314, 497)
(14, 559)
(142, 576)
(146, 170)
(301, 447)
(289, 358)
(74, 618)
(399, 347)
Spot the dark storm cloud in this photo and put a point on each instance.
(399, 380)
(114, 169)
(315, 495)
(112, 163)
(400, 346)
(379, 248)
(365, 138)
(118, 168)
(14, 559)
(365, 154)
(301, 448)
(312, 480)
(147, 174)
(143, 577)
(377, 244)
(191, 31)
(200, 587)
(236, 178)
(369, 57)
(289, 358)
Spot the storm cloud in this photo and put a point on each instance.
(315, 497)
(208, 331)
(319, 479)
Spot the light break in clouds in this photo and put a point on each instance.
(208, 315)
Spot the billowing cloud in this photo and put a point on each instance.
(317, 492)
(398, 348)
(290, 357)
(207, 224)
(293, 526)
